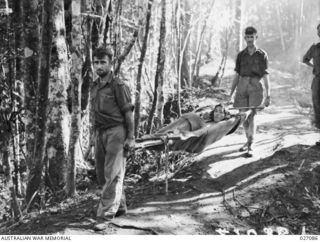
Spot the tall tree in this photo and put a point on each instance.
(299, 16)
(121, 57)
(87, 72)
(196, 66)
(7, 104)
(16, 89)
(179, 40)
(186, 19)
(77, 51)
(106, 22)
(120, 52)
(58, 118)
(183, 31)
(158, 82)
(115, 30)
(31, 67)
(140, 66)
(238, 25)
(36, 171)
(279, 22)
(161, 66)
(101, 24)
(5, 139)
(87, 79)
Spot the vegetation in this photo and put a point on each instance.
(161, 48)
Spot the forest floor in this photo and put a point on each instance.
(220, 189)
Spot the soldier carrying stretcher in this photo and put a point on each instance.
(194, 131)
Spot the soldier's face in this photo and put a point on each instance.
(102, 65)
(250, 39)
(218, 114)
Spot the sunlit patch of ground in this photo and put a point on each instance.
(222, 175)
(219, 188)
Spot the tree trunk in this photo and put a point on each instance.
(35, 175)
(216, 80)
(298, 26)
(238, 25)
(17, 88)
(107, 22)
(196, 67)
(158, 84)
(8, 107)
(30, 78)
(147, 83)
(87, 80)
(179, 47)
(58, 120)
(140, 66)
(283, 45)
(226, 53)
(87, 72)
(298, 17)
(120, 58)
(116, 29)
(187, 18)
(76, 82)
(101, 28)
(9, 181)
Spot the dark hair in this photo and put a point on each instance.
(101, 52)
(214, 109)
(250, 30)
(318, 26)
(218, 105)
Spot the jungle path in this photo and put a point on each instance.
(221, 184)
(219, 188)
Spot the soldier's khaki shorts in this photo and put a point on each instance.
(249, 92)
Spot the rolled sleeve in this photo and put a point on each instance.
(123, 96)
(265, 65)
(308, 56)
(237, 68)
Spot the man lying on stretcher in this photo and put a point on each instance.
(193, 132)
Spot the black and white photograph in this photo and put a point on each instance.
(159, 117)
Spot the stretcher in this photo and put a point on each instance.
(182, 136)
(189, 133)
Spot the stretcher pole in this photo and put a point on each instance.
(250, 107)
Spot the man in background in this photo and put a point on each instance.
(251, 68)
(113, 125)
(314, 54)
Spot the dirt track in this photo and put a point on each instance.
(219, 189)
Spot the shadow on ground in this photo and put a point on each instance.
(185, 188)
(194, 180)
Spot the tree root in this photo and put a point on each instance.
(226, 204)
(241, 205)
(135, 227)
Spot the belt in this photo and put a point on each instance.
(100, 127)
(252, 76)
